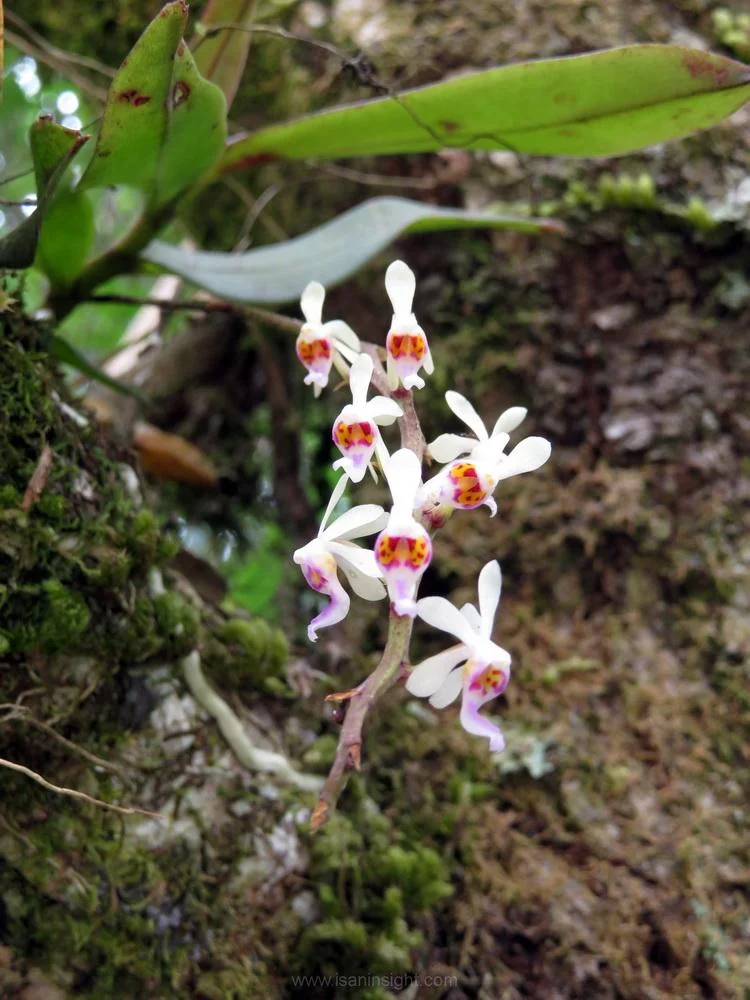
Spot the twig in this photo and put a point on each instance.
(24, 715)
(253, 758)
(284, 323)
(166, 305)
(236, 187)
(373, 180)
(73, 793)
(396, 653)
(38, 479)
(60, 66)
(74, 57)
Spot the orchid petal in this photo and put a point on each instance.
(507, 422)
(466, 412)
(527, 456)
(449, 691)
(441, 614)
(341, 332)
(336, 495)
(472, 616)
(478, 725)
(428, 364)
(359, 380)
(360, 569)
(404, 474)
(311, 303)
(383, 410)
(347, 353)
(413, 382)
(357, 522)
(448, 447)
(489, 587)
(400, 284)
(428, 677)
(334, 612)
(355, 472)
(391, 373)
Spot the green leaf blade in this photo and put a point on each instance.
(330, 253)
(197, 130)
(599, 104)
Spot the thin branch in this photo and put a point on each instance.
(166, 305)
(73, 793)
(65, 69)
(236, 187)
(284, 323)
(62, 54)
(24, 715)
(373, 180)
(251, 757)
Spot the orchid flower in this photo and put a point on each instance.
(476, 668)
(469, 482)
(355, 430)
(403, 549)
(406, 343)
(332, 550)
(320, 345)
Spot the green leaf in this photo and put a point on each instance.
(163, 125)
(70, 355)
(221, 57)
(66, 238)
(197, 128)
(329, 253)
(52, 149)
(136, 116)
(601, 104)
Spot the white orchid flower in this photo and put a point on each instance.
(448, 447)
(406, 343)
(477, 668)
(469, 482)
(403, 549)
(332, 550)
(321, 345)
(355, 430)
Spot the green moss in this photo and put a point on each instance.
(254, 654)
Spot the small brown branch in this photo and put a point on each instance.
(349, 750)
(38, 479)
(73, 793)
(24, 715)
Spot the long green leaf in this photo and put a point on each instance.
(330, 253)
(52, 149)
(136, 117)
(601, 104)
(69, 355)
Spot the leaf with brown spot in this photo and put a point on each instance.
(134, 127)
(599, 104)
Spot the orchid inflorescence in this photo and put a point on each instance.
(476, 668)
